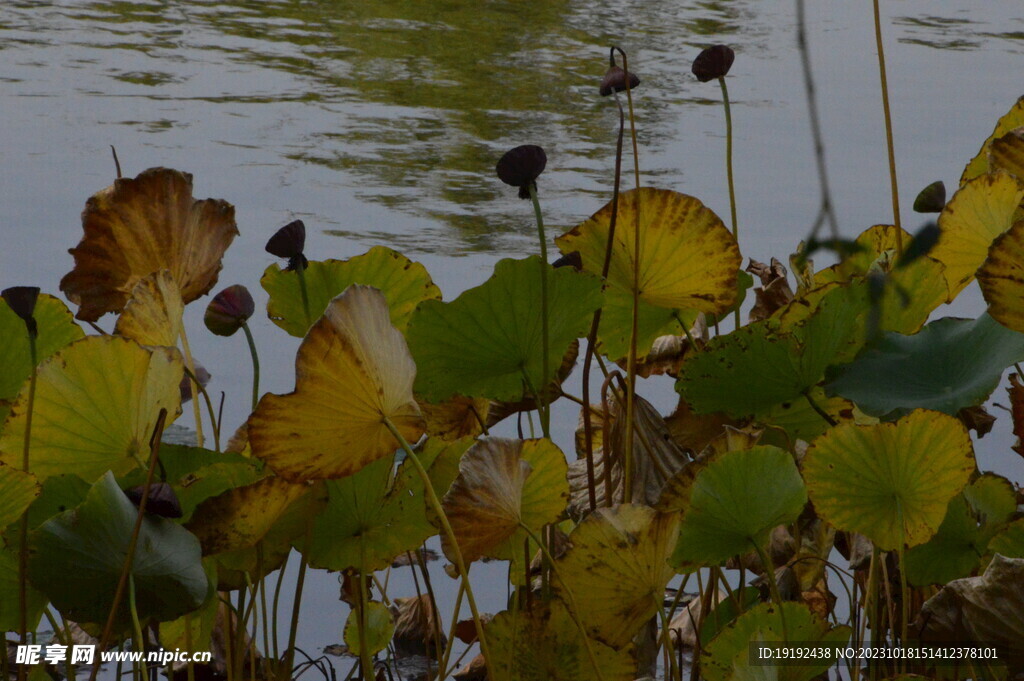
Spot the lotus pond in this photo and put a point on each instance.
(818, 479)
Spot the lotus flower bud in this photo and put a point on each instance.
(932, 198)
(520, 167)
(229, 310)
(714, 62)
(615, 81)
(162, 500)
(290, 242)
(22, 301)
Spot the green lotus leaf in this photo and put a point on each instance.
(972, 519)
(616, 569)
(193, 631)
(1010, 541)
(10, 586)
(404, 283)
(503, 485)
(56, 328)
(353, 374)
(240, 517)
(1001, 278)
(890, 482)
(874, 243)
(544, 644)
(727, 657)
(488, 341)
(732, 504)
(1011, 120)
(77, 558)
(380, 627)
(979, 212)
(950, 364)
(688, 262)
(96, 404)
(799, 419)
(725, 613)
(374, 516)
(17, 492)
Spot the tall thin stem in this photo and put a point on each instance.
(255, 365)
(542, 406)
(728, 171)
(888, 129)
(460, 564)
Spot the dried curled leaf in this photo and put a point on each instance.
(144, 225)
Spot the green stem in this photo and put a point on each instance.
(23, 528)
(365, 661)
(773, 586)
(666, 640)
(255, 365)
(817, 408)
(301, 272)
(296, 603)
(140, 642)
(460, 564)
(728, 170)
(273, 614)
(888, 130)
(573, 610)
(64, 638)
(542, 406)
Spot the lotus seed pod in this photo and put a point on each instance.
(714, 62)
(932, 198)
(229, 310)
(615, 81)
(520, 167)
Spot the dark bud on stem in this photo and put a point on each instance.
(229, 310)
(185, 387)
(714, 62)
(22, 301)
(289, 242)
(573, 260)
(932, 198)
(520, 167)
(162, 500)
(615, 81)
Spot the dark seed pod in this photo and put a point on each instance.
(162, 500)
(289, 241)
(714, 62)
(229, 310)
(573, 260)
(932, 198)
(615, 81)
(185, 387)
(22, 301)
(520, 167)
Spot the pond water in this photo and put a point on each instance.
(379, 123)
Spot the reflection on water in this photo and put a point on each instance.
(412, 101)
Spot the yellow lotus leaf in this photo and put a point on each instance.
(688, 259)
(97, 402)
(17, 491)
(874, 242)
(980, 211)
(1002, 278)
(890, 482)
(456, 417)
(617, 569)
(1011, 120)
(144, 225)
(152, 315)
(544, 644)
(501, 485)
(1007, 153)
(242, 516)
(352, 372)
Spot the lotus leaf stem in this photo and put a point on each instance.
(300, 582)
(273, 615)
(888, 129)
(571, 605)
(818, 409)
(365, 661)
(442, 666)
(543, 407)
(870, 606)
(63, 636)
(728, 171)
(140, 641)
(460, 564)
(421, 562)
(666, 640)
(773, 585)
(300, 270)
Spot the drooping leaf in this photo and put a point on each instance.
(893, 481)
(152, 315)
(376, 635)
(501, 485)
(1011, 120)
(96, 404)
(56, 329)
(488, 341)
(688, 260)
(1001, 278)
(731, 504)
(617, 569)
(142, 225)
(949, 365)
(77, 558)
(979, 212)
(403, 282)
(353, 371)
(544, 644)
(727, 657)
